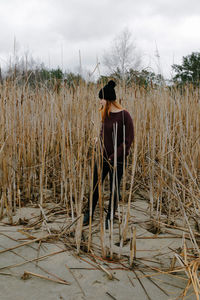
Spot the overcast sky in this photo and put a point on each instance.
(54, 31)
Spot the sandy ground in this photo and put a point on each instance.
(86, 280)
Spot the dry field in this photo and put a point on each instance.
(47, 153)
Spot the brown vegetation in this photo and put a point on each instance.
(47, 151)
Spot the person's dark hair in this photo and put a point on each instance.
(108, 91)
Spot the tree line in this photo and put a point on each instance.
(186, 73)
(122, 62)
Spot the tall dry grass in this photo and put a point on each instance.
(47, 149)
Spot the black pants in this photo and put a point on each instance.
(106, 168)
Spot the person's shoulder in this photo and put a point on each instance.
(127, 114)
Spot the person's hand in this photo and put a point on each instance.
(110, 160)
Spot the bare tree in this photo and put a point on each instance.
(122, 55)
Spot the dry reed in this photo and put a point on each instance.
(47, 154)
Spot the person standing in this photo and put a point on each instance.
(116, 136)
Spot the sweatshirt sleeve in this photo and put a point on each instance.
(129, 137)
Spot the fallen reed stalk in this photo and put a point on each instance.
(32, 260)
(27, 275)
(82, 291)
(27, 243)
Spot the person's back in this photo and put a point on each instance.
(117, 125)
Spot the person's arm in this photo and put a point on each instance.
(129, 137)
